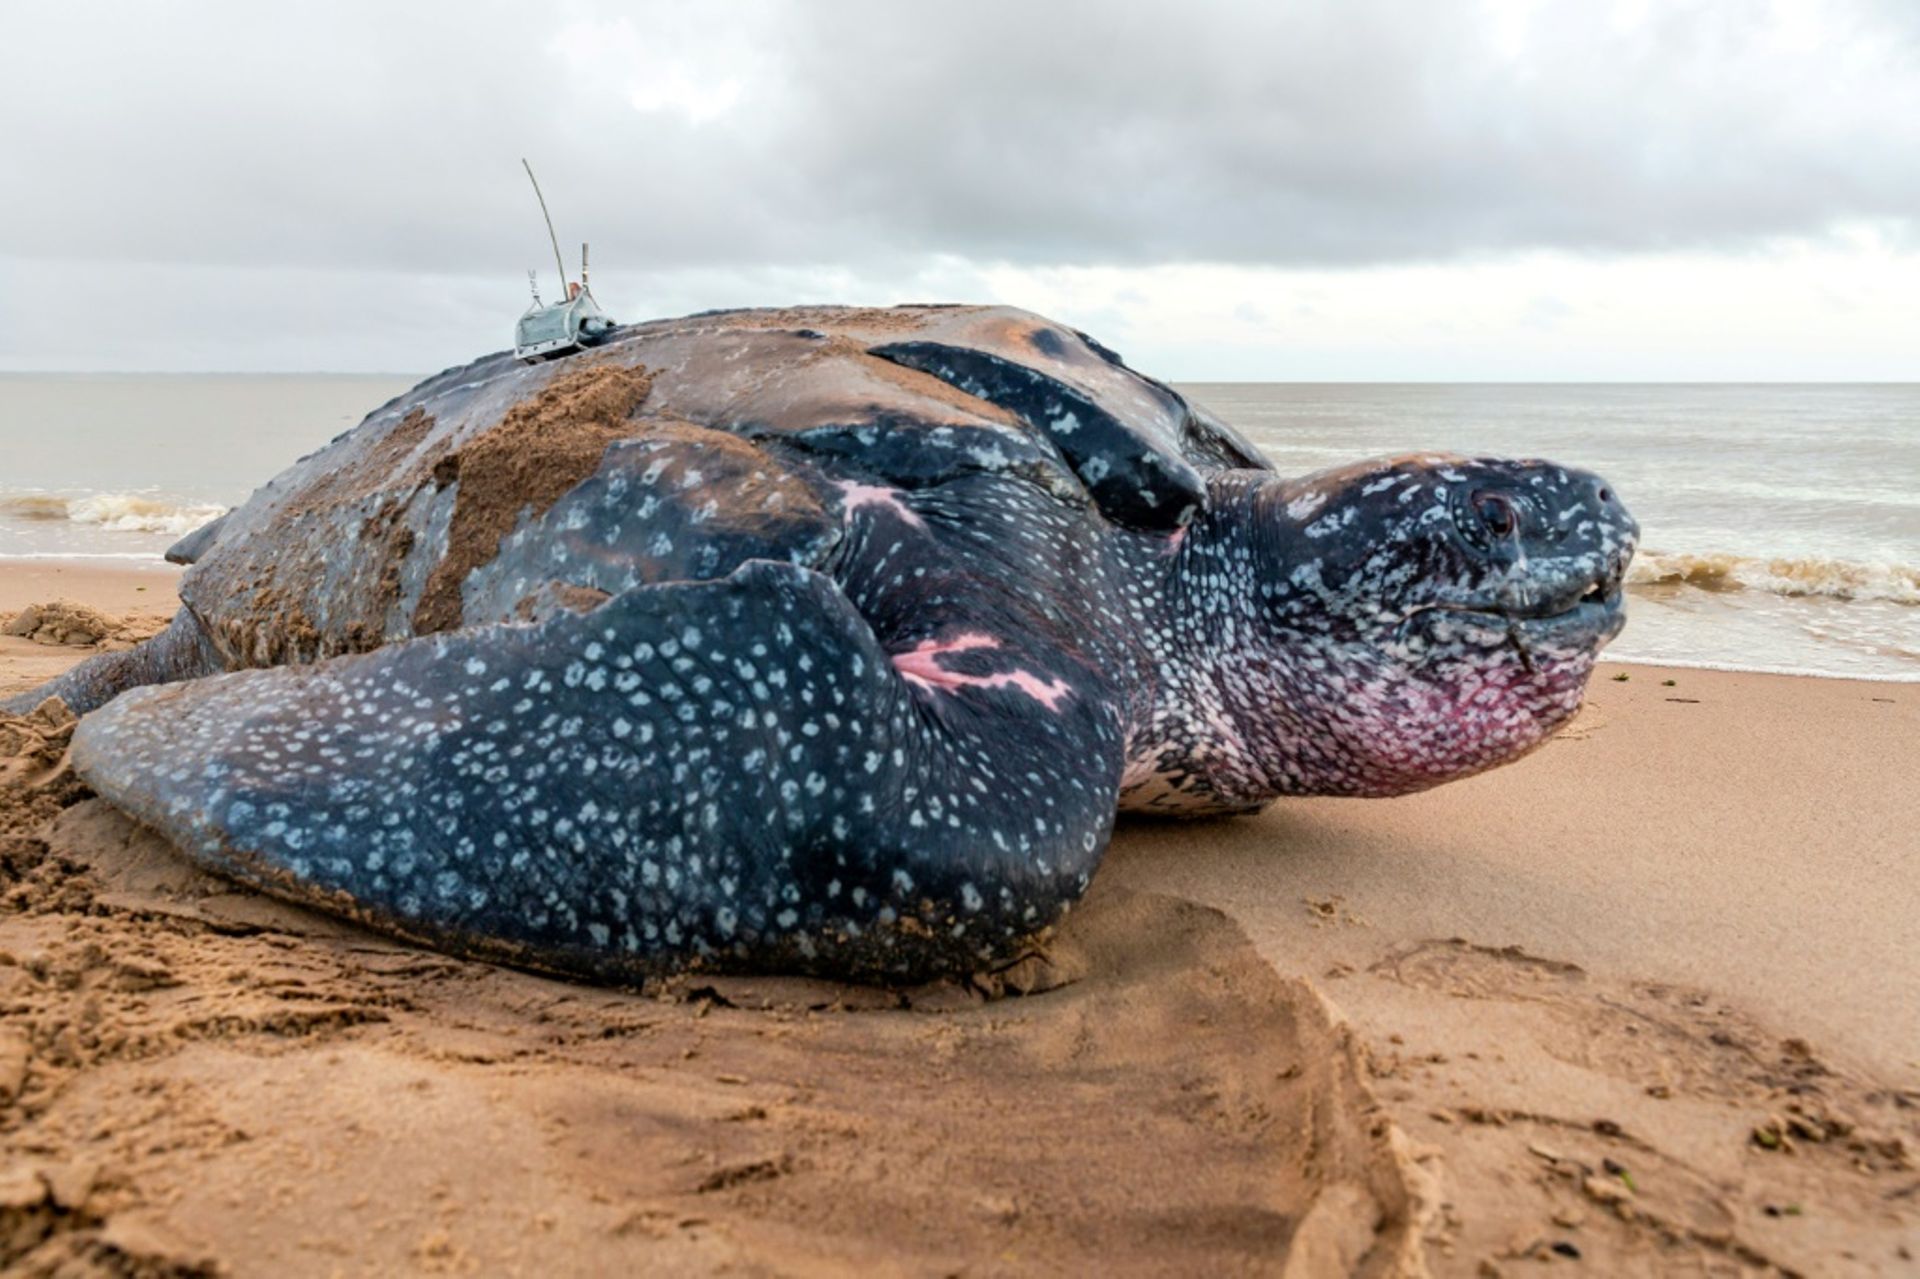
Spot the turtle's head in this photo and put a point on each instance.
(1422, 618)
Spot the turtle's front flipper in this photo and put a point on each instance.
(182, 651)
(730, 772)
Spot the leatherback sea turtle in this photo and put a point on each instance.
(825, 640)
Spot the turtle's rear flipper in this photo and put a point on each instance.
(730, 772)
(182, 651)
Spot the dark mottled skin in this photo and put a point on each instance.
(844, 661)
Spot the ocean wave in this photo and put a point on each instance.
(114, 512)
(1802, 576)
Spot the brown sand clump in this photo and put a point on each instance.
(33, 776)
(35, 741)
(49, 1227)
(63, 622)
(559, 597)
(542, 448)
(35, 784)
(295, 1096)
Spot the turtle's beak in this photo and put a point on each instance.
(1556, 539)
(1547, 549)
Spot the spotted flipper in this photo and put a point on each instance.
(731, 773)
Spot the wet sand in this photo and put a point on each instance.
(1650, 997)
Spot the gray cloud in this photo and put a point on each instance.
(386, 135)
(863, 138)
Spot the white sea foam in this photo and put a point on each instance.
(113, 512)
(1792, 576)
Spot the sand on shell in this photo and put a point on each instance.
(1648, 998)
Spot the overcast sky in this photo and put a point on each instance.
(1342, 190)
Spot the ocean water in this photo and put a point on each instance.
(1780, 523)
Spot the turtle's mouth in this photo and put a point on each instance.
(1539, 625)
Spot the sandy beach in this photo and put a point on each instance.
(1649, 998)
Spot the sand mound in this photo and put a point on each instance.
(35, 784)
(64, 622)
(188, 1062)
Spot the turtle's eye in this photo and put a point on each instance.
(1496, 513)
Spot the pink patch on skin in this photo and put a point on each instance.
(1175, 539)
(919, 665)
(857, 495)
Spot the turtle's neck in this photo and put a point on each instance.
(1193, 744)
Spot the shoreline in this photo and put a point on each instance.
(1778, 672)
